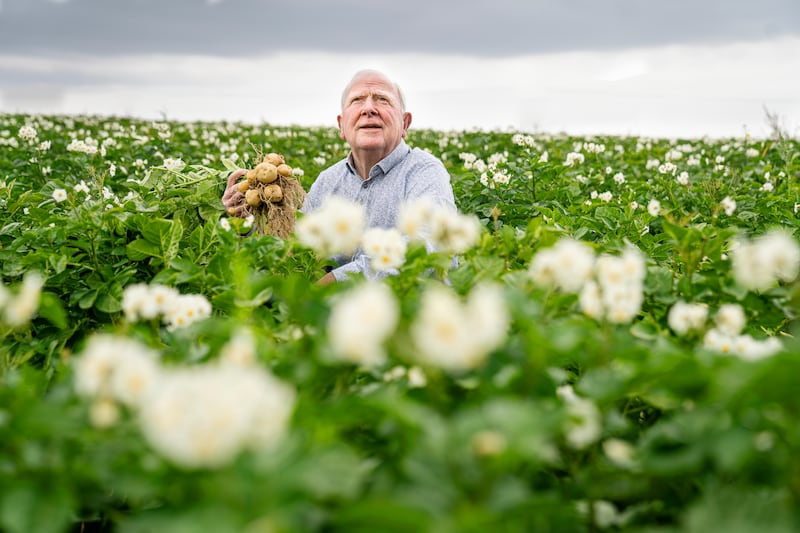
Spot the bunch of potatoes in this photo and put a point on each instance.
(272, 195)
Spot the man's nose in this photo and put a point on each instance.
(369, 107)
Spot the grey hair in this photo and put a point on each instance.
(370, 72)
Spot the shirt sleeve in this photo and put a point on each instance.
(361, 263)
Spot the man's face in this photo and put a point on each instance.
(372, 119)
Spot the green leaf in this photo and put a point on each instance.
(51, 309)
(27, 508)
(141, 249)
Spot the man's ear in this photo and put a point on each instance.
(406, 122)
(339, 124)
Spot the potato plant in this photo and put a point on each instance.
(161, 371)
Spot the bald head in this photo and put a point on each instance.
(375, 74)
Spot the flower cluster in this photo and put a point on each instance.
(684, 317)
(444, 229)
(27, 133)
(455, 335)
(88, 146)
(335, 228)
(609, 287)
(197, 417)
(147, 302)
(339, 227)
(566, 266)
(616, 292)
(385, 247)
(17, 309)
(360, 322)
(761, 262)
(726, 335)
(574, 158)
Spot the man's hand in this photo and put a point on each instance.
(327, 279)
(232, 198)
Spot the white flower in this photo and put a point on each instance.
(685, 317)
(782, 252)
(414, 218)
(146, 301)
(619, 178)
(760, 263)
(185, 310)
(582, 425)
(590, 301)
(767, 187)
(202, 417)
(416, 377)
(752, 152)
(115, 367)
(360, 322)
(654, 207)
(730, 319)
(104, 413)
(19, 309)
(683, 178)
(81, 187)
(667, 168)
(574, 158)
(617, 294)
(619, 451)
(27, 133)
(453, 232)
(335, 228)
(728, 205)
(248, 222)
(59, 195)
(567, 265)
(593, 148)
(456, 336)
(174, 164)
(240, 349)
(225, 224)
(606, 196)
(385, 247)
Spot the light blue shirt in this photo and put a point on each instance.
(405, 174)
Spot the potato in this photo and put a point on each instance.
(253, 198)
(284, 170)
(243, 186)
(275, 159)
(273, 193)
(266, 172)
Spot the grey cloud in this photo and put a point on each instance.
(469, 27)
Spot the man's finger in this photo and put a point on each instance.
(235, 175)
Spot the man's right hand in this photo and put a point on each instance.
(232, 199)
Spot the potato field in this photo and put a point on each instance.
(613, 350)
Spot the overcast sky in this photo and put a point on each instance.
(649, 67)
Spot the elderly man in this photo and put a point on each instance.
(381, 171)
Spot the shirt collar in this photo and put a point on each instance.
(386, 164)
